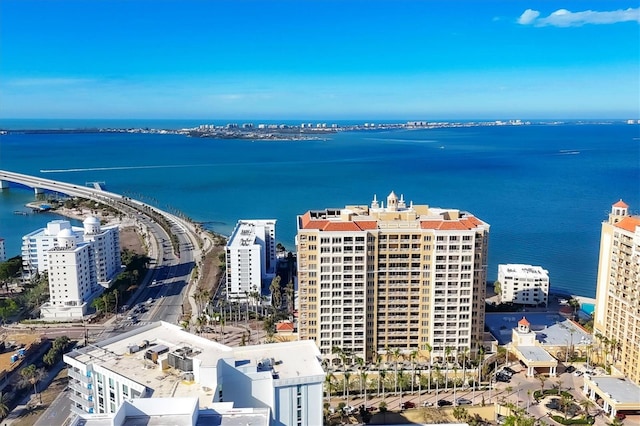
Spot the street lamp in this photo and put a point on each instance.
(566, 358)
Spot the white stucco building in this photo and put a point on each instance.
(523, 284)
(72, 278)
(161, 360)
(105, 242)
(251, 257)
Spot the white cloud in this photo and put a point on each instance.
(566, 18)
(528, 16)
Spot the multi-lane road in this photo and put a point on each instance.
(168, 281)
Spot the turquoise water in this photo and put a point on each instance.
(543, 189)
(588, 308)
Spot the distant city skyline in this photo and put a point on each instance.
(313, 59)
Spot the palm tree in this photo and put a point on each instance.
(586, 405)
(395, 353)
(429, 348)
(381, 376)
(360, 363)
(346, 378)
(328, 381)
(33, 375)
(565, 403)
(413, 356)
(542, 379)
(4, 405)
(363, 384)
(447, 354)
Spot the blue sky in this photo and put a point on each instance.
(404, 59)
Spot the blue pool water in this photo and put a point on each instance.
(588, 308)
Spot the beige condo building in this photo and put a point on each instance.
(617, 310)
(375, 279)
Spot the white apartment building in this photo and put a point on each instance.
(523, 284)
(375, 279)
(161, 360)
(251, 258)
(105, 242)
(72, 279)
(3, 251)
(616, 318)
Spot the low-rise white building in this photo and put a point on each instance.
(161, 360)
(523, 284)
(251, 257)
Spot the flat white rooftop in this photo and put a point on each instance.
(622, 390)
(536, 354)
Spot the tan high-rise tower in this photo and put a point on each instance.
(617, 310)
(380, 279)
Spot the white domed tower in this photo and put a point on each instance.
(91, 225)
(66, 239)
(619, 211)
(392, 202)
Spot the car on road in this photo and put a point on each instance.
(427, 404)
(149, 301)
(443, 403)
(407, 404)
(570, 369)
(463, 401)
(371, 408)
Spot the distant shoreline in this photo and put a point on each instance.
(302, 132)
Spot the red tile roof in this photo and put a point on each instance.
(370, 224)
(284, 326)
(341, 226)
(621, 204)
(524, 321)
(466, 223)
(629, 223)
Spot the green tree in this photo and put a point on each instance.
(460, 413)
(8, 308)
(32, 375)
(497, 287)
(4, 405)
(276, 292)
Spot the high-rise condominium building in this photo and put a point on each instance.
(617, 310)
(251, 257)
(104, 240)
(3, 253)
(375, 279)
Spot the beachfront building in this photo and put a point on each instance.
(104, 241)
(3, 251)
(160, 360)
(392, 279)
(617, 308)
(251, 259)
(72, 278)
(523, 284)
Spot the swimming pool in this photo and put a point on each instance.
(588, 308)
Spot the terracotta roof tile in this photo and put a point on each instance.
(524, 321)
(369, 224)
(621, 204)
(340, 226)
(629, 223)
(430, 224)
(284, 326)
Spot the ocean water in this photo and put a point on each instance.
(543, 189)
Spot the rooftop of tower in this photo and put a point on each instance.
(376, 216)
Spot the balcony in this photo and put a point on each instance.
(84, 402)
(79, 376)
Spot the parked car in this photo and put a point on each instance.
(427, 404)
(463, 401)
(577, 373)
(371, 408)
(444, 402)
(570, 369)
(509, 370)
(505, 372)
(348, 409)
(407, 404)
(621, 416)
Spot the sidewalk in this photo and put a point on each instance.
(26, 404)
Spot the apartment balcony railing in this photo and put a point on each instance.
(84, 401)
(79, 376)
